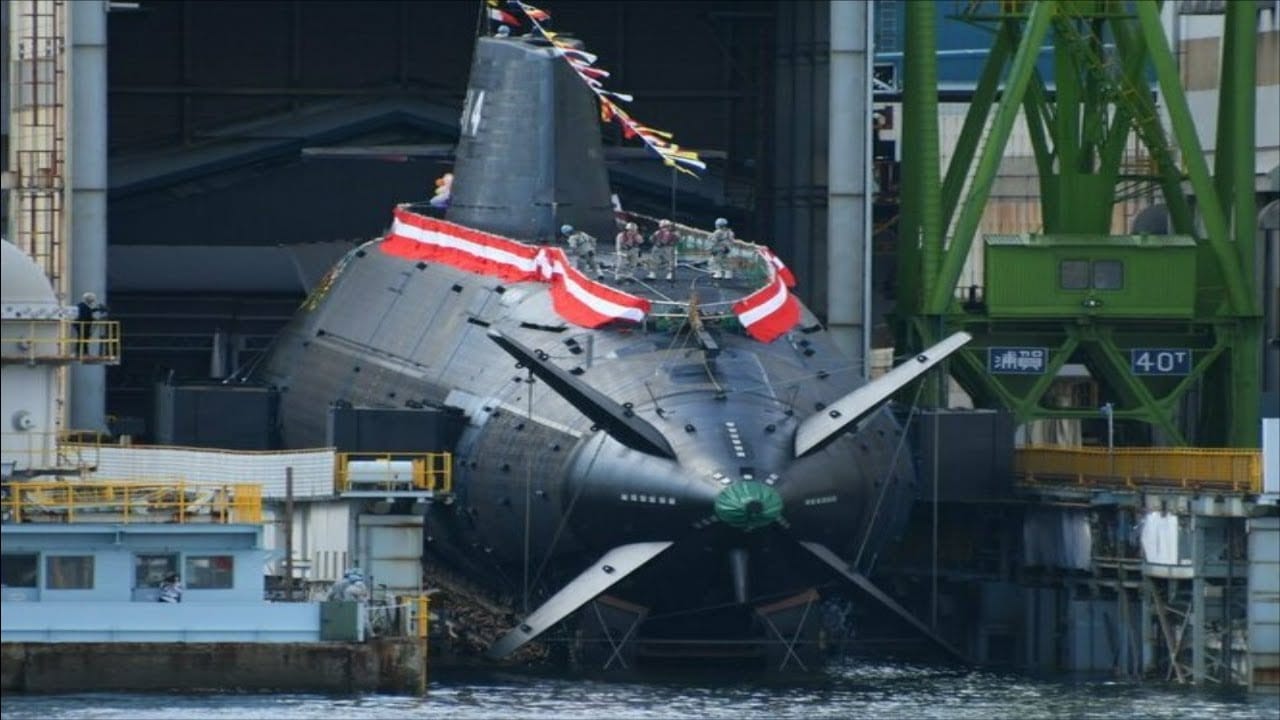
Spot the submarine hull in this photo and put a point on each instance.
(540, 490)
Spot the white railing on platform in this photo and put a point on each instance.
(313, 470)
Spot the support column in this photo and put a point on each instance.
(1264, 603)
(1147, 660)
(88, 160)
(848, 179)
(800, 142)
(1199, 637)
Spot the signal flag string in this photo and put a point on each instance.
(582, 63)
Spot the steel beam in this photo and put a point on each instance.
(1210, 204)
(1024, 60)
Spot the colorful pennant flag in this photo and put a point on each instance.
(497, 14)
(533, 12)
(581, 62)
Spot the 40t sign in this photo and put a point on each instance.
(1160, 361)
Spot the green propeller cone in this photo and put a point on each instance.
(748, 505)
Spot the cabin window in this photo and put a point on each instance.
(1108, 275)
(150, 570)
(18, 571)
(68, 572)
(209, 572)
(1098, 275)
(1074, 274)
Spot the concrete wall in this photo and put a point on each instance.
(379, 666)
(186, 622)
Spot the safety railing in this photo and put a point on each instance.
(52, 450)
(394, 472)
(131, 502)
(1185, 468)
(34, 340)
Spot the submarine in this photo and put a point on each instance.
(649, 469)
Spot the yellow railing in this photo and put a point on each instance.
(1192, 468)
(394, 471)
(34, 340)
(132, 502)
(51, 450)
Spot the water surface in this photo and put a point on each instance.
(882, 691)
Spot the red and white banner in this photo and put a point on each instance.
(575, 297)
(768, 312)
(583, 301)
(416, 237)
(776, 267)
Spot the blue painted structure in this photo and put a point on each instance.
(963, 46)
(113, 596)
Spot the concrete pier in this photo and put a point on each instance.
(390, 665)
(1176, 584)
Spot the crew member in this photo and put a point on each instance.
(721, 243)
(88, 311)
(351, 587)
(663, 255)
(582, 247)
(628, 250)
(171, 589)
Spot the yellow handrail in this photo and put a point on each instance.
(36, 340)
(429, 471)
(1230, 470)
(46, 450)
(133, 502)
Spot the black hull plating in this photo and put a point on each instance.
(540, 493)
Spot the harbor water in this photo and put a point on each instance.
(880, 690)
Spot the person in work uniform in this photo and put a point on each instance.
(628, 249)
(721, 244)
(87, 311)
(170, 589)
(582, 248)
(351, 588)
(663, 255)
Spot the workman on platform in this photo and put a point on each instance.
(88, 311)
(582, 248)
(628, 250)
(721, 243)
(662, 258)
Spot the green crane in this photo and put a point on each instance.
(1153, 318)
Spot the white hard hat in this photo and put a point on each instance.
(721, 222)
(90, 297)
(664, 223)
(566, 229)
(631, 226)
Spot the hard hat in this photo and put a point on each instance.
(631, 226)
(664, 223)
(721, 222)
(90, 297)
(566, 229)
